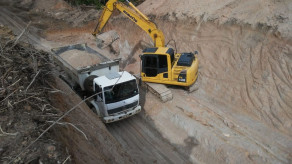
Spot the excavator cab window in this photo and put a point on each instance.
(170, 51)
(150, 63)
(162, 63)
(154, 64)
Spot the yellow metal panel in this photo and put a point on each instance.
(134, 15)
(161, 50)
(192, 75)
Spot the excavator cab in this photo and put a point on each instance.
(162, 65)
(156, 62)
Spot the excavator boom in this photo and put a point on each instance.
(134, 15)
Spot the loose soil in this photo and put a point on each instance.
(78, 58)
(25, 110)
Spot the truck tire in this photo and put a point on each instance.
(88, 83)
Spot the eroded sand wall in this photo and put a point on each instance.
(241, 68)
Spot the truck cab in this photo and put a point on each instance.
(117, 96)
(113, 94)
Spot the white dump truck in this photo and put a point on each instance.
(117, 93)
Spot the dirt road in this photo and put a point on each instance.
(145, 143)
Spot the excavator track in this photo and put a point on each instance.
(159, 90)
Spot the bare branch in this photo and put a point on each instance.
(20, 35)
(1, 54)
(55, 90)
(9, 95)
(14, 83)
(65, 114)
(3, 77)
(6, 134)
(68, 123)
(6, 58)
(66, 159)
(23, 100)
(32, 80)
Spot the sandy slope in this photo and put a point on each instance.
(266, 14)
(242, 66)
(242, 111)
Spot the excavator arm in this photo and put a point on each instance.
(134, 15)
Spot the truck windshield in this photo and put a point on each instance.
(120, 92)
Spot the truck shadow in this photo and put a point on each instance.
(142, 95)
(140, 137)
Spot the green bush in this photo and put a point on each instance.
(98, 3)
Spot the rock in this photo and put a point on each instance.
(51, 148)
(2, 150)
(9, 78)
(24, 143)
(228, 123)
(27, 107)
(52, 151)
(108, 38)
(226, 135)
(26, 4)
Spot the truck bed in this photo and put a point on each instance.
(77, 61)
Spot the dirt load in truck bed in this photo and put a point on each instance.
(79, 58)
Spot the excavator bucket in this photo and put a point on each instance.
(106, 39)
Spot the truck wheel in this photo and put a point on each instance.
(88, 83)
(95, 108)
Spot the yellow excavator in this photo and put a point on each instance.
(160, 64)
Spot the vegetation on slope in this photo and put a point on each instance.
(99, 3)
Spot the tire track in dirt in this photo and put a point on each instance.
(143, 142)
(243, 90)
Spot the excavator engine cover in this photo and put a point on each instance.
(186, 59)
